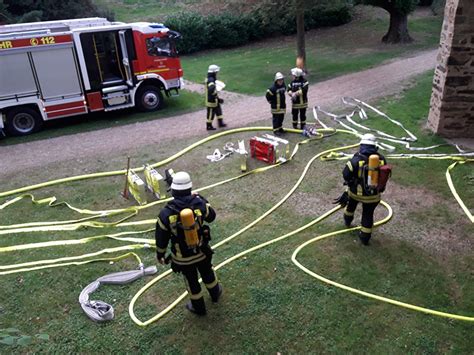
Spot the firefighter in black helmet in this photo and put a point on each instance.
(276, 98)
(298, 91)
(213, 102)
(355, 176)
(185, 258)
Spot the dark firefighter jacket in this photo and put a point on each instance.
(276, 98)
(355, 175)
(300, 85)
(212, 100)
(167, 228)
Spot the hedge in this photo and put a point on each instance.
(438, 6)
(228, 30)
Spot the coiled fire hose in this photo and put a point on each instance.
(69, 225)
(100, 311)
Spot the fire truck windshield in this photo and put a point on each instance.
(161, 47)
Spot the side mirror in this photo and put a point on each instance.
(174, 35)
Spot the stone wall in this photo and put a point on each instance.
(452, 101)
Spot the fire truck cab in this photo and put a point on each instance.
(64, 68)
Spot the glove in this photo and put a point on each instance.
(169, 176)
(207, 250)
(206, 233)
(195, 194)
(176, 268)
(342, 200)
(221, 101)
(160, 257)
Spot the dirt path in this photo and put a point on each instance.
(238, 111)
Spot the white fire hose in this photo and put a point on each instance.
(100, 311)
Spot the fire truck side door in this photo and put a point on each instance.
(57, 73)
(125, 58)
(16, 76)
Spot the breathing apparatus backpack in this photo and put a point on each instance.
(190, 225)
(190, 222)
(373, 174)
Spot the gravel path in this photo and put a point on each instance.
(239, 110)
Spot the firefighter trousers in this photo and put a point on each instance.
(190, 273)
(278, 122)
(301, 112)
(213, 112)
(367, 222)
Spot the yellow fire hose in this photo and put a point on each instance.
(71, 225)
(453, 189)
(161, 163)
(78, 223)
(364, 293)
(226, 240)
(66, 261)
(114, 236)
(237, 256)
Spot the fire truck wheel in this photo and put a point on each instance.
(22, 121)
(149, 98)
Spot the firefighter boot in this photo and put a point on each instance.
(210, 127)
(220, 123)
(348, 220)
(295, 125)
(303, 125)
(197, 307)
(215, 293)
(364, 237)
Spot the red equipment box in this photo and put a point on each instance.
(263, 150)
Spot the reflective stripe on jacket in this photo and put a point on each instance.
(212, 99)
(167, 229)
(276, 98)
(355, 175)
(299, 86)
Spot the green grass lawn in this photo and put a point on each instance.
(330, 52)
(142, 10)
(423, 256)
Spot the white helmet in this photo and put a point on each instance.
(297, 72)
(181, 181)
(213, 68)
(278, 76)
(368, 139)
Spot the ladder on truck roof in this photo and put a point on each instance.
(55, 26)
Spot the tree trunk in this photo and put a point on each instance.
(398, 30)
(300, 38)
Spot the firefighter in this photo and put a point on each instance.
(276, 98)
(213, 102)
(188, 257)
(355, 176)
(298, 91)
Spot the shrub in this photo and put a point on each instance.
(438, 6)
(195, 30)
(425, 2)
(329, 17)
(229, 30)
(46, 10)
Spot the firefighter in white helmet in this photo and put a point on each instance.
(355, 176)
(188, 257)
(213, 102)
(276, 98)
(298, 91)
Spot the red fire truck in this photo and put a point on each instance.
(64, 68)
